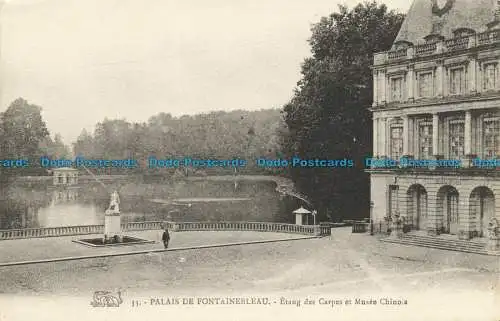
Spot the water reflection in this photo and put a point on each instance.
(65, 210)
(28, 208)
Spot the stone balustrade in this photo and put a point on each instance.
(397, 54)
(448, 45)
(426, 49)
(318, 230)
(457, 43)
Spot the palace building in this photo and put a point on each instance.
(437, 97)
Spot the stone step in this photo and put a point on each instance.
(442, 244)
(427, 237)
(449, 245)
(440, 241)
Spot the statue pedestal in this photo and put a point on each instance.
(396, 230)
(493, 244)
(494, 236)
(112, 225)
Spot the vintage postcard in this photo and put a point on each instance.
(250, 160)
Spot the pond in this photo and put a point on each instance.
(253, 201)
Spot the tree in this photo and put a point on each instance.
(328, 117)
(84, 145)
(55, 149)
(23, 129)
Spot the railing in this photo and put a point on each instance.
(397, 54)
(445, 45)
(360, 227)
(50, 232)
(426, 49)
(142, 226)
(385, 226)
(488, 37)
(457, 43)
(249, 226)
(318, 230)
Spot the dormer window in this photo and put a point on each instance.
(433, 38)
(463, 32)
(402, 44)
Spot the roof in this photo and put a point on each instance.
(301, 210)
(64, 169)
(472, 14)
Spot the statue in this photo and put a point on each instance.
(493, 235)
(397, 226)
(493, 228)
(114, 204)
(112, 220)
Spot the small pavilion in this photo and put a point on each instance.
(302, 216)
(65, 176)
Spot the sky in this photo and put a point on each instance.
(84, 60)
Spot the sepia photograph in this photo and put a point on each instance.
(250, 160)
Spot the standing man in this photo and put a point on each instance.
(166, 237)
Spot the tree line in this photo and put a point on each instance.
(221, 135)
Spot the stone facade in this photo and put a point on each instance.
(437, 97)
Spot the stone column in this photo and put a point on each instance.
(468, 133)
(382, 136)
(435, 134)
(464, 219)
(382, 79)
(468, 139)
(410, 82)
(439, 78)
(375, 88)
(375, 137)
(472, 74)
(434, 211)
(412, 136)
(406, 136)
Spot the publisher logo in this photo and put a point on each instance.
(106, 299)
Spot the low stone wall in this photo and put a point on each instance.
(319, 230)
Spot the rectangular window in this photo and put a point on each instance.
(397, 89)
(489, 76)
(457, 81)
(456, 139)
(396, 142)
(425, 140)
(425, 84)
(491, 137)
